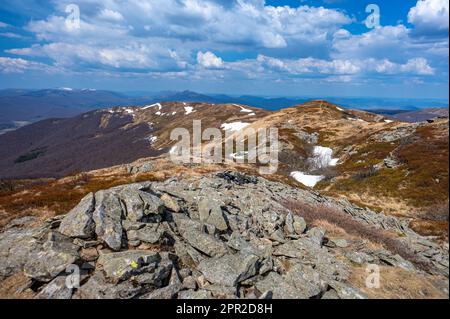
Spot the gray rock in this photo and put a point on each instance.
(170, 203)
(210, 212)
(191, 294)
(345, 291)
(56, 289)
(97, 287)
(122, 265)
(56, 255)
(316, 234)
(359, 258)
(306, 279)
(229, 270)
(189, 283)
(289, 224)
(108, 219)
(151, 234)
(330, 294)
(299, 225)
(279, 287)
(168, 292)
(205, 243)
(341, 243)
(78, 222)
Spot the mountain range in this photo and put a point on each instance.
(19, 107)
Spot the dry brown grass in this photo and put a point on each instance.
(11, 287)
(313, 213)
(397, 283)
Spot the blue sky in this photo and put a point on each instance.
(284, 48)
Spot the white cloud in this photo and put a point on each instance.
(14, 65)
(3, 25)
(111, 15)
(430, 16)
(209, 60)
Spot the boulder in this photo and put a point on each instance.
(56, 289)
(108, 217)
(122, 265)
(57, 253)
(316, 234)
(229, 270)
(205, 243)
(78, 223)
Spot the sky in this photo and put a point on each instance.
(384, 48)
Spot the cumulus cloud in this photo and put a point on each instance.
(111, 15)
(430, 16)
(17, 65)
(209, 60)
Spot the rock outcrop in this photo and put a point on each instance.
(218, 236)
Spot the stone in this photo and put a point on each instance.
(108, 219)
(78, 223)
(229, 270)
(210, 212)
(358, 257)
(89, 254)
(299, 225)
(170, 203)
(279, 287)
(316, 234)
(205, 243)
(289, 224)
(330, 294)
(122, 265)
(56, 289)
(189, 283)
(341, 243)
(151, 234)
(345, 291)
(57, 254)
(168, 292)
(97, 287)
(306, 279)
(192, 294)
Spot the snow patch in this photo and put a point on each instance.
(323, 157)
(307, 180)
(243, 109)
(188, 109)
(388, 121)
(153, 105)
(339, 109)
(235, 126)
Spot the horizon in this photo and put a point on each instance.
(391, 49)
(142, 93)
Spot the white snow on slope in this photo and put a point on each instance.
(188, 109)
(243, 109)
(323, 157)
(388, 121)
(307, 180)
(153, 105)
(235, 126)
(339, 109)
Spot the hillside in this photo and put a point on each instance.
(368, 190)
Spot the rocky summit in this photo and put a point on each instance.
(224, 235)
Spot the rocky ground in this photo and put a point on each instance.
(225, 235)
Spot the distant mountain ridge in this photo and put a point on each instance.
(21, 105)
